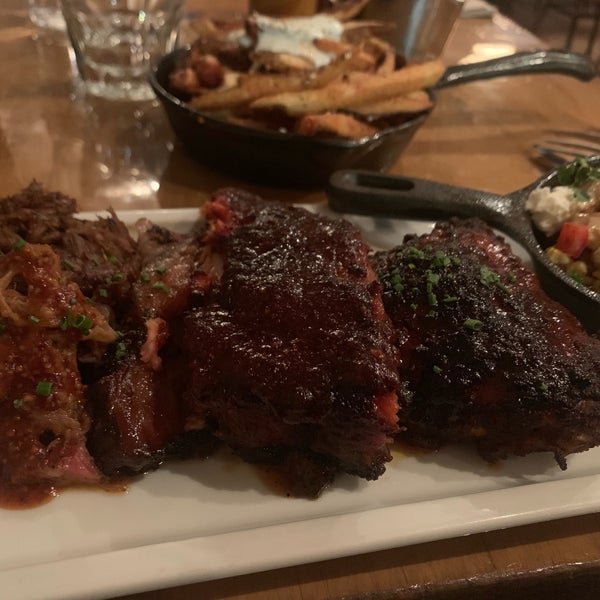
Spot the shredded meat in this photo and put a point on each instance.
(43, 420)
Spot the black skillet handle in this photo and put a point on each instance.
(374, 194)
(521, 63)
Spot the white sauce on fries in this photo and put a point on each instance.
(295, 35)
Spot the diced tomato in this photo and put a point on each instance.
(573, 239)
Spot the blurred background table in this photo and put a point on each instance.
(479, 135)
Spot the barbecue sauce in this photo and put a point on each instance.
(25, 497)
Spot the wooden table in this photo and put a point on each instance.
(478, 136)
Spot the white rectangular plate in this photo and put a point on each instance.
(202, 520)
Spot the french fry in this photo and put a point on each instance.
(232, 80)
(249, 87)
(359, 89)
(413, 102)
(337, 124)
(258, 85)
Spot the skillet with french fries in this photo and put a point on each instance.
(289, 101)
(311, 76)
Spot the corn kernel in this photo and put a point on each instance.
(557, 257)
(596, 257)
(579, 267)
(594, 238)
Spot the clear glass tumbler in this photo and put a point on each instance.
(46, 14)
(421, 27)
(117, 41)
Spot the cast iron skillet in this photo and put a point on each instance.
(368, 193)
(288, 159)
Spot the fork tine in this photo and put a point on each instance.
(592, 135)
(549, 157)
(571, 147)
(563, 145)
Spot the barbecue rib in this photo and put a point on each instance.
(487, 356)
(291, 354)
(136, 407)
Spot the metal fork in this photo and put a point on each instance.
(561, 146)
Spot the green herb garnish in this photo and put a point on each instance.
(121, 351)
(473, 324)
(19, 243)
(43, 388)
(68, 264)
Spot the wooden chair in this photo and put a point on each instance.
(575, 11)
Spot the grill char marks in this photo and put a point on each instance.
(291, 349)
(487, 356)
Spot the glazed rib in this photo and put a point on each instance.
(488, 357)
(291, 354)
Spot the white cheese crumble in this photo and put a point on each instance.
(295, 35)
(551, 207)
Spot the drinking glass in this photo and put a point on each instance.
(46, 14)
(117, 41)
(421, 27)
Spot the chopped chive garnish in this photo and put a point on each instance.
(512, 277)
(413, 306)
(160, 270)
(2, 327)
(437, 370)
(473, 324)
(102, 293)
(432, 299)
(113, 259)
(43, 388)
(118, 277)
(19, 244)
(160, 286)
(144, 277)
(18, 403)
(543, 387)
(120, 351)
(432, 313)
(83, 323)
(433, 278)
(68, 264)
(413, 252)
(449, 299)
(33, 319)
(440, 260)
(95, 260)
